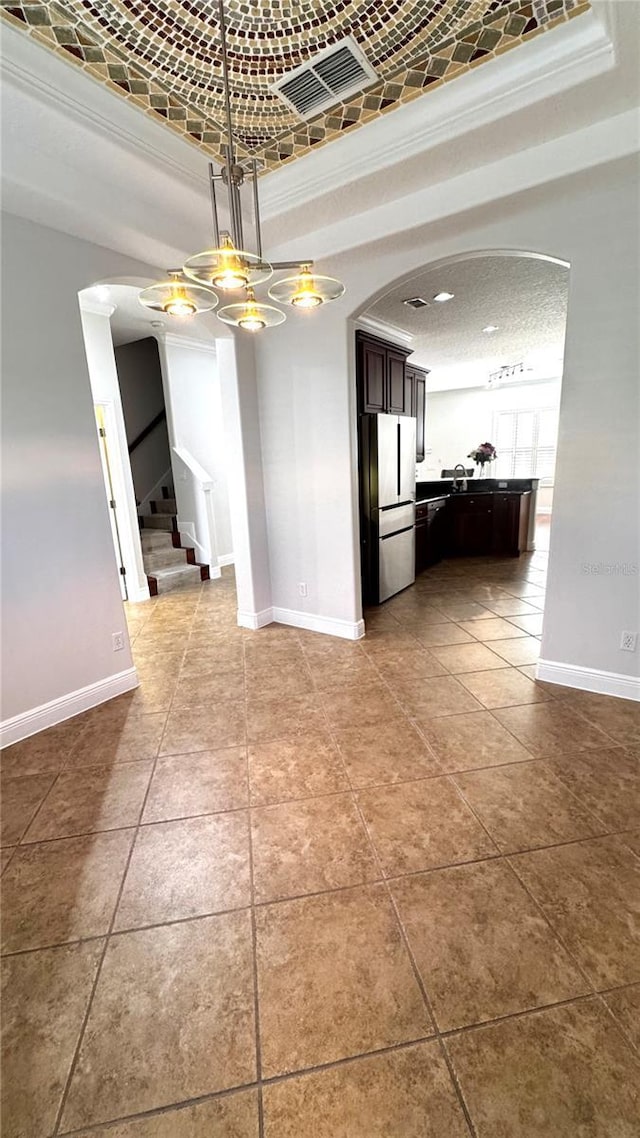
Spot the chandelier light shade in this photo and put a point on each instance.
(251, 315)
(228, 267)
(306, 290)
(179, 298)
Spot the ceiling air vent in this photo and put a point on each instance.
(325, 80)
(416, 302)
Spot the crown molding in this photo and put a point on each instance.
(175, 341)
(34, 69)
(544, 67)
(381, 328)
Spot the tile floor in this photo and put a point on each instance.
(293, 886)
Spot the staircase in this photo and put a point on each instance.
(168, 564)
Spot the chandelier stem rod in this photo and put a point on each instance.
(214, 207)
(256, 208)
(225, 74)
(292, 264)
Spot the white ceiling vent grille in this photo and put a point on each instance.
(328, 78)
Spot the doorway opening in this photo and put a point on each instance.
(472, 350)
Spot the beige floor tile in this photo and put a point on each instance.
(438, 635)
(389, 642)
(204, 782)
(607, 781)
(208, 690)
(464, 742)
(512, 606)
(521, 651)
(222, 658)
(494, 629)
(529, 624)
(551, 728)
(442, 695)
(63, 890)
(44, 753)
(286, 718)
(294, 768)
(308, 846)
(230, 1116)
(620, 718)
(632, 840)
(526, 805)
(380, 753)
(467, 658)
(625, 1005)
(490, 953)
(590, 892)
(422, 825)
(172, 1019)
(204, 728)
(92, 799)
(527, 590)
(19, 801)
(409, 665)
(328, 673)
(187, 868)
(135, 740)
(334, 980)
(404, 1094)
(551, 1074)
(373, 704)
(464, 610)
(6, 853)
(44, 1000)
(279, 681)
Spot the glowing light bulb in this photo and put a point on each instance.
(306, 295)
(179, 304)
(251, 323)
(230, 274)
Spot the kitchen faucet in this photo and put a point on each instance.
(456, 482)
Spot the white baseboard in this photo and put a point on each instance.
(135, 595)
(57, 710)
(255, 619)
(330, 626)
(589, 679)
(226, 559)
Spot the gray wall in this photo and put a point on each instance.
(140, 382)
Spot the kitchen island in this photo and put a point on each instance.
(491, 517)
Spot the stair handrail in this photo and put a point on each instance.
(147, 430)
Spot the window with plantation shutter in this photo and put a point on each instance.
(526, 444)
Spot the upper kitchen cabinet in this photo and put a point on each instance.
(383, 385)
(418, 383)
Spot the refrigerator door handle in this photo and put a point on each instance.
(399, 458)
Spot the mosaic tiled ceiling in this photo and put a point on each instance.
(164, 57)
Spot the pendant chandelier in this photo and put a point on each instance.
(229, 267)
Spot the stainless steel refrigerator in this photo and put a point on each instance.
(387, 503)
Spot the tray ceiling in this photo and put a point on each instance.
(163, 56)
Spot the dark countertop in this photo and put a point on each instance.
(443, 488)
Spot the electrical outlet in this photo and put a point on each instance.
(628, 641)
(302, 589)
(117, 641)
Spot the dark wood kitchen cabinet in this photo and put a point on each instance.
(383, 385)
(510, 523)
(418, 383)
(470, 524)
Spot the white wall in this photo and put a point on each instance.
(60, 592)
(456, 421)
(140, 380)
(306, 383)
(105, 389)
(194, 405)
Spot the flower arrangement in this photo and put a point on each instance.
(486, 452)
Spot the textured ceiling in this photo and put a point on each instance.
(163, 55)
(525, 297)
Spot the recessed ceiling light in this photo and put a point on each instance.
(490, 328)
(416, 302)
(442, 296)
